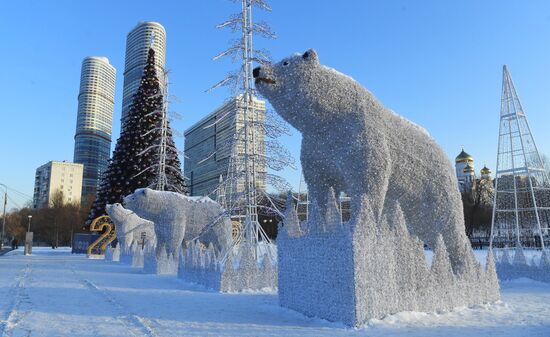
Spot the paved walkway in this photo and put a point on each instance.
(54, 293)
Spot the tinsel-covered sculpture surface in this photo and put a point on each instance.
(130, 227)
(517, 266)
(123, 224)
(245, 271)
(209, 224)
(368, 269)
(168, 212)
(112, 254)
(177, 217)
(352, 143)
(404, 194)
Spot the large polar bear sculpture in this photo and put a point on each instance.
(352, 143)
(209, 223)
(129, 227)
(177, 217)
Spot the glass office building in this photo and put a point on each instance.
(94, 121)
(138, 42)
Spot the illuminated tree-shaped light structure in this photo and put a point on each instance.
(254, 145)
(250, 261)
(521, 210)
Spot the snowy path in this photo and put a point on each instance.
(56, 294)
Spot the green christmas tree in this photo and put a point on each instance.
(136, 159)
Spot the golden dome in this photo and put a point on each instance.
(463, 157)
(485, 170)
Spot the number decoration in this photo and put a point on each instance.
(105, 225)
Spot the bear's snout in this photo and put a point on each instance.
(261, 78)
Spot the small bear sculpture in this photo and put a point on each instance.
(130, 227)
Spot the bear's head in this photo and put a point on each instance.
(308, 95)
(116, 212)
(155, 205)
(288, 84)
(124, 222)
(145, 202)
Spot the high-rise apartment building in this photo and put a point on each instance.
(208, 148)
(95, 120)
(57, 176)
(144, 36)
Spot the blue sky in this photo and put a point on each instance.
(438, 63)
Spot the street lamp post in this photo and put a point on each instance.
(28, 238)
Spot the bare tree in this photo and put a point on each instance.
(53, 225)
(478, 206)
(15, 226)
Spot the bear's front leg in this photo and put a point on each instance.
(369, 175)
(320, 175)
(318, 189)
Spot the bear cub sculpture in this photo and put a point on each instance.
(130, 227)
(352, 143)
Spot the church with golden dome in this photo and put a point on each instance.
(465, 172)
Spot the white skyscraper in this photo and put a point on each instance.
(138, 42)
(95, 120)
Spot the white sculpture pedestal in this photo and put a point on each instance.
(159, 262)
(516, 266)
(357, 272)
(243, 270)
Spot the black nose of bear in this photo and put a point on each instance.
(256, 72)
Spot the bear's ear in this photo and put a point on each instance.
(310, 55)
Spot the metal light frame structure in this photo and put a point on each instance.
(521, 208)
(161, 180)
(251, 229)
(242, 168)
(161, 170)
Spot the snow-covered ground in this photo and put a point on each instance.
(54, 293)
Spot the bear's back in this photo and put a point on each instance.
(412, 150)
(167, 206)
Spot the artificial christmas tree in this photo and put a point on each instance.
(137, 152)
